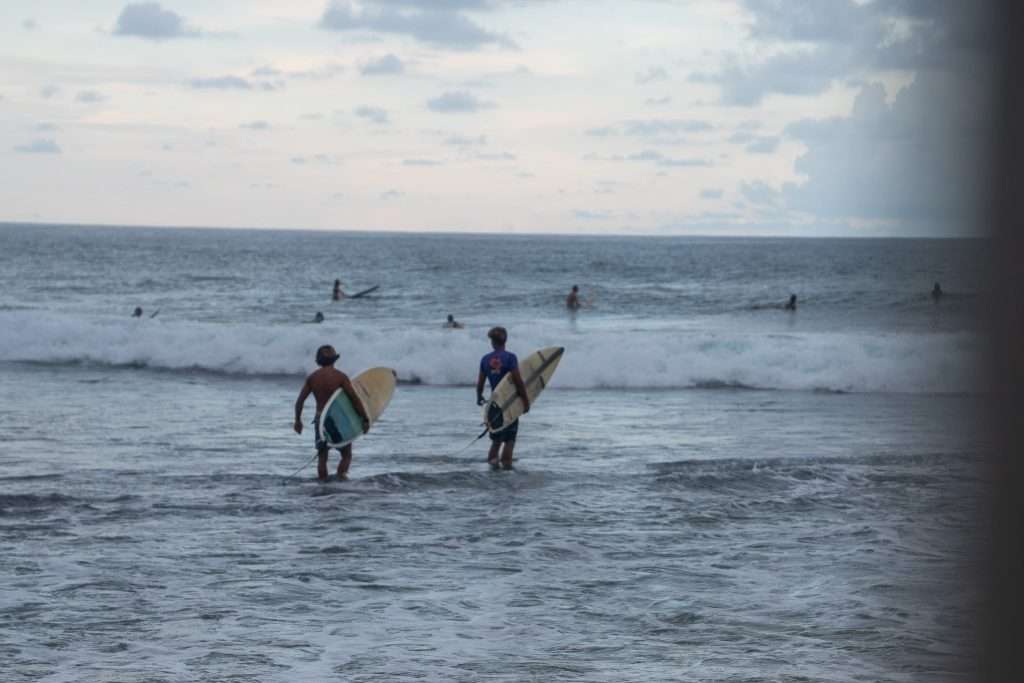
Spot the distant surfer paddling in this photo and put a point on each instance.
(322, 384)
(493, 367)
(452, 323)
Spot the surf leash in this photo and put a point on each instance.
(292, 475)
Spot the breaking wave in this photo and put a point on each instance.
(707, 359)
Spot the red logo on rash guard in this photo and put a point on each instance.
(495, 364)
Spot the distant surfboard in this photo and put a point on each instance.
(340, 423)
(364, 292)
(505, 406)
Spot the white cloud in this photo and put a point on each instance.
(90, 97)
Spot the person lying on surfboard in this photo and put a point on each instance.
(322, 384)
(493, 367)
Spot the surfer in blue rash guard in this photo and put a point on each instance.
(493, 367)
(322, 384)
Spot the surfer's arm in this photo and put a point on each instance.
(357, 403)
(299, 402)
(480, 388)
(517, 379)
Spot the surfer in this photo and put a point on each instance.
(322, 384)
(319, 317)
(453, 324)
(791, 304)
(936, 292)
(137, 313)
(493, 367)
(572, 302)
(338, 294)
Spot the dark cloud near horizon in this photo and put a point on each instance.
(440, 23)
(151, 21)
(386, 65)
(834, 41)
(920, 158)
(458, 101)
(39, 146)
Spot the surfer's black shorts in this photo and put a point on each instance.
(507, 435)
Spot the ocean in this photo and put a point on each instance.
(712, 488)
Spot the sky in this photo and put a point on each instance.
(710, 117)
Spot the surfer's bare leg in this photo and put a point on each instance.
(346, 460)
(492, 455)
(506, 455)
(321, 464)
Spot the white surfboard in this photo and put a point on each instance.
(505, 406)
(340, 423)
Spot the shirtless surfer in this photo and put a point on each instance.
(572, 302)
(493, 367)
(452, 323)
(322, 384)
(338, 294)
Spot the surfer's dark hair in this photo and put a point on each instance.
(498, 335)
(326, 355)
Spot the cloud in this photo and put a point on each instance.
(150, 21)
(918, 158)
(653, 74)
(458, 102)
(711, 193)
(464, 141)
(421, 162)
(763, 144)
(231, 83)
(497, 156)
(374, 114)
(39, 146)
(29, 25)
(759, 193)
(48, 91)
(256, 125)
(46, 127)
(827, 42)
(320, 73)
(391, 194)
(650, 156)
(658, 101)
(652, 127)
(387, 65)
(438, 23)
(321, 159)
(587, 215)
(90, 97)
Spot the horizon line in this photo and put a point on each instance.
(505, 233)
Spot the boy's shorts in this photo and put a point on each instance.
(507, 435)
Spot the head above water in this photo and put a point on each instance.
(575, 288)
(498, 336)
(337, 283)
(326, 355)
(451, 318)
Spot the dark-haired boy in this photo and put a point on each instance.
(493, 367)
(322, 384)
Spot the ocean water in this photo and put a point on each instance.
(713, 488)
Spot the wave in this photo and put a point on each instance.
(905, 362)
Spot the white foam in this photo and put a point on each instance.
(662, 358)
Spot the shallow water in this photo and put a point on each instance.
(149, 533)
